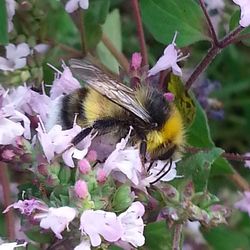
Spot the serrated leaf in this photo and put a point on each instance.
(4, 23)
(198, 167)
(183, 101)
(112, 28)
(158, 236)
(164, 17)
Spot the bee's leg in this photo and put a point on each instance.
(81, 135)
(143, 150)
(160, 174)
(150, 166)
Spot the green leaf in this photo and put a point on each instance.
(64, 175)
(164, 17)
(100, 10)
(198, 167)
(199, 132)
(3, 23)
(36, 235)
(112, 28)
(221, 166)
(222, 238)
(158, 236)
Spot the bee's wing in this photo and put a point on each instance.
(106, 86)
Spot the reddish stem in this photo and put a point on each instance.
(9, 216)
(141, 37)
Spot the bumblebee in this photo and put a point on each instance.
(106, 105)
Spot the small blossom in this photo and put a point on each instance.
(247, 162)
(84, 245)
(81, 189)
(84, 166)
(57, 219)
(168, 60)
(64, 83)
(124, 162)
(8, 154)
(12, 245)
(91, 156)
(133, 225)
(169, 96)
(136, 61)
(73, 5)
(15, 57)
(56, 141)
(27, 207)
(244, 203)
(245, 12)
(10, 6)
(41, 48)
(100, 223)
(101, 175)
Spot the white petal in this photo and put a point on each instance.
(71, 6)
(20, 63)
(6, 64)
(84, 4)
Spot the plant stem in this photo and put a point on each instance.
(83, 33)
(210, 25)
(177, 236)
(4, 179)
(117, 54)
(239, 181)
(140, 32)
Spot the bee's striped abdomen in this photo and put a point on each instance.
(72, 104)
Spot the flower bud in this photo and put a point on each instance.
(188, 191)
(122, 198)
(43, 169)
(91, 156)
(101, 176)
(136, 61)
(8, 154)
(171, 193)
(169, 96)
(81, 189)
(84, 166)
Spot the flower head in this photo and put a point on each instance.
(15, 57)
(57, 219)
(27, 207)
(81, 189)
(100, 223)
(132, 224)
(169, 60)
(73, 5)
(245, 12)
(244, 203)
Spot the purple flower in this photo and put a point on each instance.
(57, 219)
(169, 60)
(136, 61)
(124, 162)
(244, 203)
(58, 141)
(27, 207)
(247, 162)
(100, 223)
(15, 57)
(81, 189)
(73, 5)
(132, 224)
(245, 12)
(64, 83)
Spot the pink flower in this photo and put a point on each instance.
(100, 223)
(244, 203)
(8, 154)
(27, 207)
(81, 189)
(169, 96)
(132, 224)
(124, 162)
(15, 57)
(91, 156)
(84, 166)
(136, 61)
(73, 5)
(64, 83)
(12, 245)
(101, 176)
(169, 60)
(57, 219)
(245, 12)
(57, 141)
